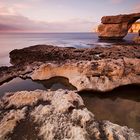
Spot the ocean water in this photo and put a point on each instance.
(11, 41)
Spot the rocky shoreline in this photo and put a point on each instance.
(61, 114)
(100, 69)
(54, 115)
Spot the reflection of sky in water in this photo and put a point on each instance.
(18, 84)
(121, 107)
(8, 42)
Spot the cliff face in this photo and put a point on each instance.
(135, 28)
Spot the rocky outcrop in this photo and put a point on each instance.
(8, 73)
(116, 27)
(98, 68)
(54, 115)
(135, 28)
(101, 75)
(43, 53)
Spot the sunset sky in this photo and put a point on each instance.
(59, 15)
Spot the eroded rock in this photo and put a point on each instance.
(100, 69)
(43, 53)
(54, 115)
(99, 75)
(116, 27)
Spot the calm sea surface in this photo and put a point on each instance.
(121, 106)
(8, 42)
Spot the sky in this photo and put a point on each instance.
(60, 15)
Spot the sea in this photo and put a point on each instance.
(120, 106)
(11, 41)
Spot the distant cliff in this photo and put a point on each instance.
(135, 27)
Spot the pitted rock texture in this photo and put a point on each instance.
(100, 75)
(54, 115)
(116, 27)
(100, 69)
(43, 53)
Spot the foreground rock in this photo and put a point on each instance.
(116, 27)
(43, 53)
(101, 75)
(98, 68)
(57, 115)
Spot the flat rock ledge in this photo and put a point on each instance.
(100, 69)
(54, 115)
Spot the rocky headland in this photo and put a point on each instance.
(116, 27)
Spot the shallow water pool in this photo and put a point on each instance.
(121, 106)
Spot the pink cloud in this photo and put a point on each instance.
(117, 1)
(20, 23)
(7, 10)
(137, 8)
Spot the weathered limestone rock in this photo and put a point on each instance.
(43, 53)
(101, 75)
(99, 69)
(54, 115)
(116, 27)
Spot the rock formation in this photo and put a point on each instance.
(99, 69)
(116, 27)
(54, 115)
(135, 28)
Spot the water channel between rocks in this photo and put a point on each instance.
(120, 106)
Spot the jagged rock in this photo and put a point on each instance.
(101, 75)
(54, 115)
(116, 27)
(99, 69)
(43, 53)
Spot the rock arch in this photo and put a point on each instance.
(116, 27)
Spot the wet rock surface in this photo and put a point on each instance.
(116, 27)
(54, 115)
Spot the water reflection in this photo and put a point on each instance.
(121, 106)
(19, 84)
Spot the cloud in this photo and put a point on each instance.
(11, 20)
(18, 23)
(7, 10)
(117, 1)
(137, 8)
